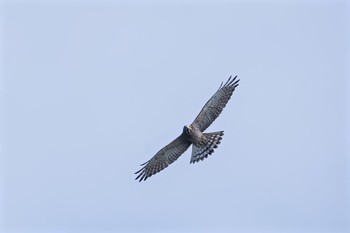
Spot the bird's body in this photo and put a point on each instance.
(203, 144)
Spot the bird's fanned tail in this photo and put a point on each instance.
(201, 152)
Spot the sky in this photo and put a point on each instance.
(90, 90)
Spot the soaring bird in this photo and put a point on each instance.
(203, 144)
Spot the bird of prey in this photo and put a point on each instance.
(203, 144)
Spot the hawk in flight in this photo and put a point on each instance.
(203, 144)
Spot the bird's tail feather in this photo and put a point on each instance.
(212, 141)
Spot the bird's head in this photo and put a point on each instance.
(187, 129)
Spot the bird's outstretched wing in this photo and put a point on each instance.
(163, 158)
(215, 104)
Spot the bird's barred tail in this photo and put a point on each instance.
(202, 152)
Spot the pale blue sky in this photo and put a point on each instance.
(89, 91)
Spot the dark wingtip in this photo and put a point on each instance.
(231, 81)
(138, 171)
(228, 81)
(144, 163)
(142, 177)
(235, 82)
(138, 174)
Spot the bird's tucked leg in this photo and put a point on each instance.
(208, 143)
